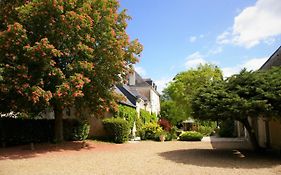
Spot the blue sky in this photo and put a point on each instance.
(180, 34)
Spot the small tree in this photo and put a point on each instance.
(56, 53)
(242, 96)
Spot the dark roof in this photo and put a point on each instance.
(140, 82)
(131, 93)
(134, 90)
(274, 60)
(129, 99)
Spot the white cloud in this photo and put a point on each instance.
(251, 64)
(224, 38)
(255, 63)
(215, 51)
(228, 71)
(140, 70)
(269, 41)
(194, 60)
(255, 24)
(162, 84)
(192, 39)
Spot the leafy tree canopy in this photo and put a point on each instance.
(247, 94)
(177, 97)
(62, 53)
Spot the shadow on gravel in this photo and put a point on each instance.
(224, 155)
(24, 152)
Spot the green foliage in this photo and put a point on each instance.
(227, 128)
(153, 118)
(145, 116)
(139, 125)
(75, 130)
(15, 131)
(118, 129)
(62, 54)
(177, 97)
(205, 127)
(191, 136)
(170, 136)
(159, 134)
(244, 95)
(170, 111)
(81, 131)
(128, 113)
(150, 131)
(247, 94)
(205, 130)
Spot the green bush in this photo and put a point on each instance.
(205, 130)
(153, 118)
(205, 127)
(170, 136)
(81, 130)
(117, 128)
(149, 131)
(75, 130)
(191, 136)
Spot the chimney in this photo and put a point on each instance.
(132, 79)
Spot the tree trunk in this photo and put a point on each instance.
(58, 124)
(252, 135)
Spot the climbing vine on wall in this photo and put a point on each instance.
(128, 113)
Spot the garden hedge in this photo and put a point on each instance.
(15, 131)
(191, 136)
(118, 129)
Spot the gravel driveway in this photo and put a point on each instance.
(147, 157)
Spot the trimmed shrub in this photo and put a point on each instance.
(150, 130)
(191, 136)
(117, 128)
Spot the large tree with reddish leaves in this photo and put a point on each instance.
(62, 53)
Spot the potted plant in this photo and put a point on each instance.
(162, 135)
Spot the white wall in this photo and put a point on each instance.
(155, 102)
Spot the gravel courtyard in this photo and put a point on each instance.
(147, 157)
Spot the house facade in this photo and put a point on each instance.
(138, 93)
(268, 130)
(146, 90)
